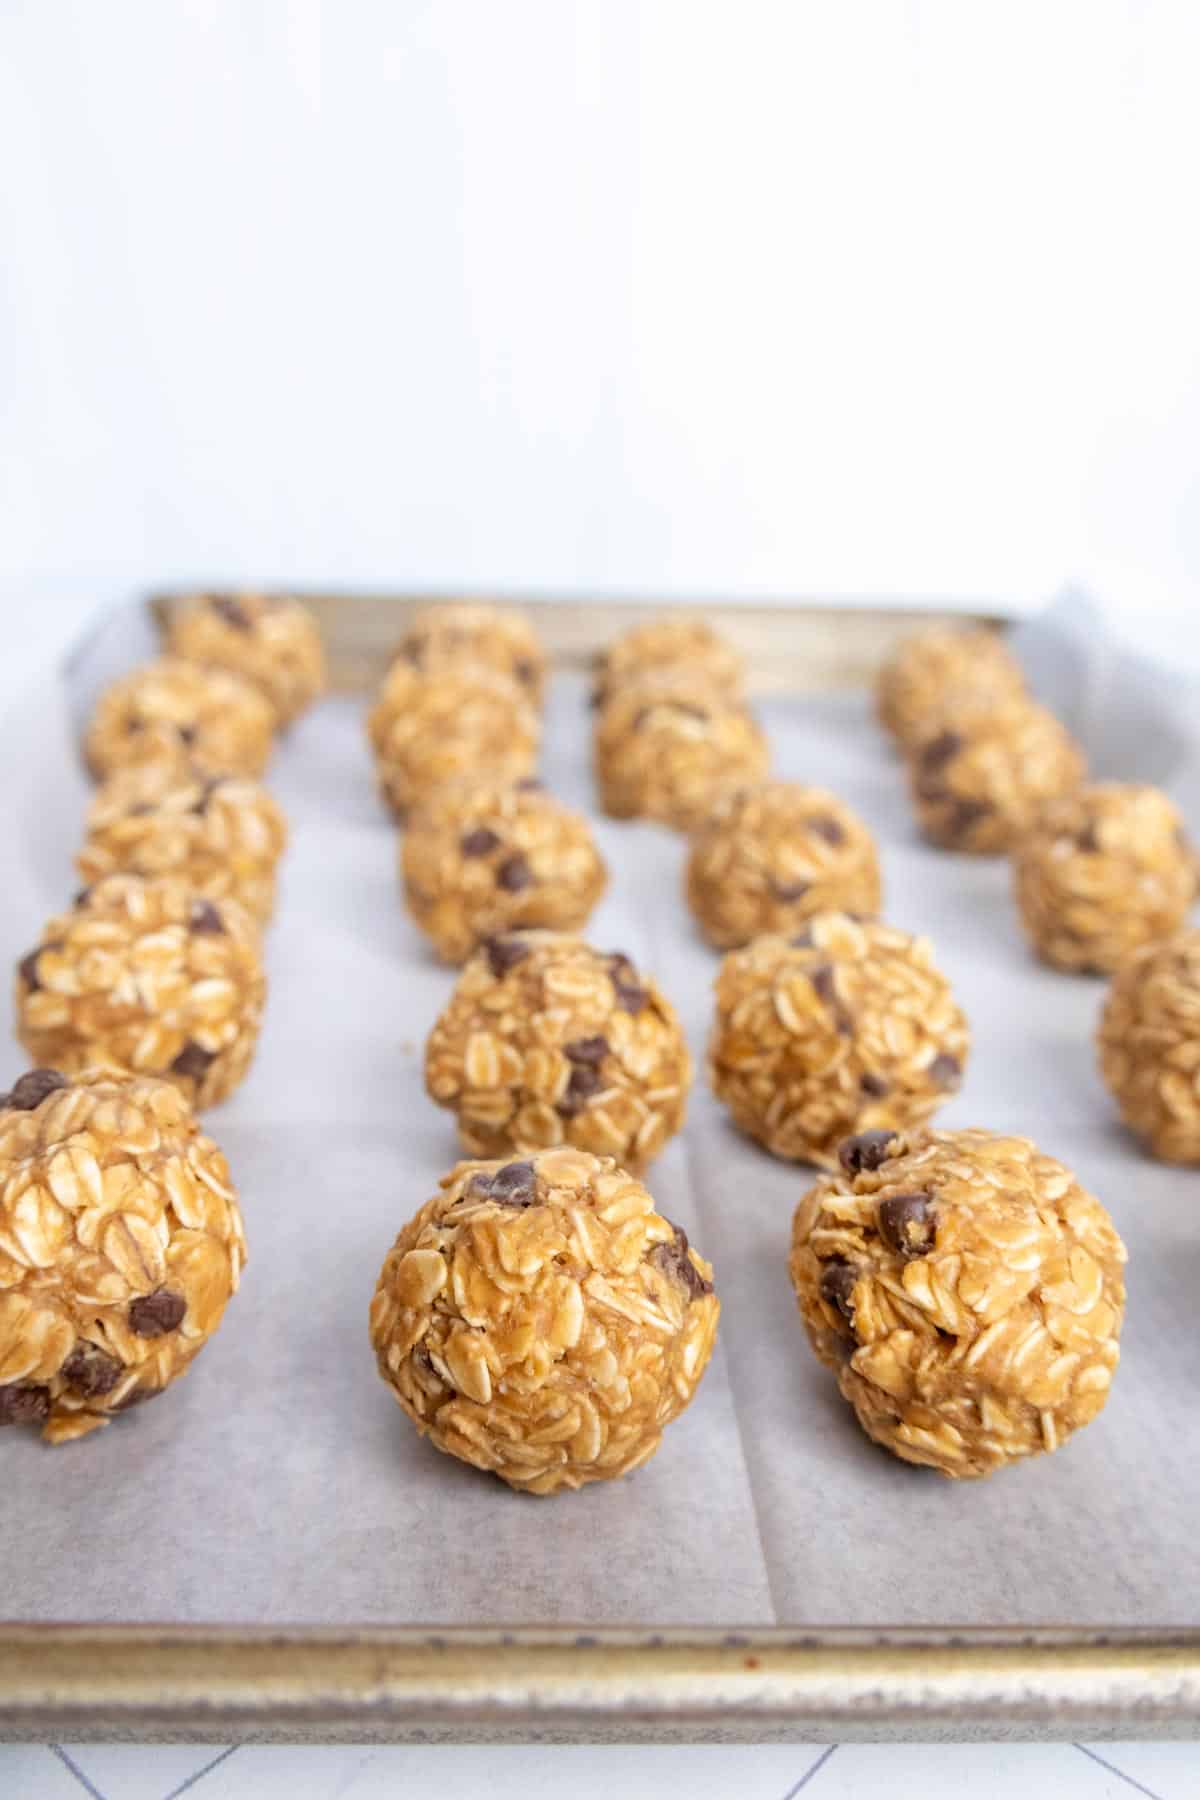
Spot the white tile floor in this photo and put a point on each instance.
(693, 1772)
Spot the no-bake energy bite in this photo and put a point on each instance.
(460, 720)
(848, 1026)
(222, 835)
(270, 640)
(667, 748)
(978, 781)
(146, 976)
(772, 856)
(457, 632)
(1101, 872)
(956, 667)
(176, 714)
(541, 1320)
(967, 1292)
(483, 857)
(546, 1042)
(1150, 1046)
(120, 1244)
(686, 647)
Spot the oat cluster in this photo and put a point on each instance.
(771, 857)
(1101, 872)
(269, 640)
(667, 746)
(223, 835)
(177, 714)
(459, 720)
(1150, 1046)
(665, 646)
(146, 976)
(547, 1042)
(483, 857)
(967, 1291)
(847, 1026)
(539, 1319)
(979, 779)
(944, 668)
(120, 1244)
(455, 633)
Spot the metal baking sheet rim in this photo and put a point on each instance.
(206, 1683)
(145, 1682)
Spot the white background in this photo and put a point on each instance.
(755, 298)
(765, 298)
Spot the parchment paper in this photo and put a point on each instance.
(279, 1482)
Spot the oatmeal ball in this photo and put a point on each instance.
(686, 647)
(547, 1042)
(1101, 872)
(771, 857)
(960, 667)
(148, 976)
(1150, 1046)
(967, 1292)
(484, 857)
(541, 1320)
(464, 720)
(222, 835)
(120, 1244)
(847, 1026)
(455, 632)
(978, 781)
(667, 748)
(176, 714)
(270, 641)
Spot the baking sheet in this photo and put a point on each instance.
(280, 1483)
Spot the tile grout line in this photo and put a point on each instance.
(77, 1772)
(813, 1769)
(1119, 1773)
(200, 1773)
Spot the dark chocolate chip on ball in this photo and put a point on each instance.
(204, 919)
(906, 1223)
(827, 827)
(231, 612)
(941, 749)
(479, 841)
(586, 1050)
(673, 1260)
(837, 1285)
(513, 1185)
(945, 1071)
(153, 1315)
(873, 1085)
(33, 1087)
(194, 1061)
(23, 1403)
(514, 874)
(789, 890)
(585, 1081)
(867, 1150)
(504, 953)
(91, 1371)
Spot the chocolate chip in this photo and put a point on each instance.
(824, 826)
(906, 1223)
(27, 969)
(206, 793)
(585, 1081)
(33, 1087)
(631, 996)
(514, 874)
(205, 920)
(837, 1285)
(187, 735)
(152, 1315)
(674, 1261)
(231, 612)
(1087, 839)
(940, 750)
(479, 841)
(823, 981)
(945, 1071)
(867, 1150)
(965, 815)
(874, 1085)
(525, 671)
(23, 1403)
(789, 890)
(91, 1371)
(413, 652)
(193, 1060)
(504, 953)
(513, 1185)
